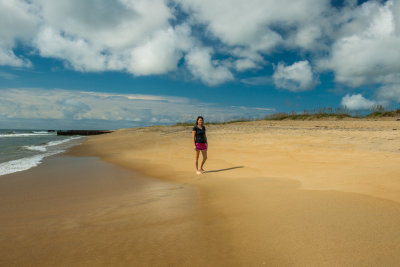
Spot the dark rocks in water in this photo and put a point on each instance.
(51, 131)
(81, 132)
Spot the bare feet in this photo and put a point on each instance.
(202, 170)
(198, 172)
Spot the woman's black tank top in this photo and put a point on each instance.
(200, 134)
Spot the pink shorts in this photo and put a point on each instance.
(201, 146)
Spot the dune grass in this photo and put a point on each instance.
(377, 114)
(377, 111)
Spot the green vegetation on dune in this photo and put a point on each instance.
(321, 113)
(377, 114)
(286, 116)
(211, 123)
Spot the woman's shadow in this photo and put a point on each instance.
(226, 169)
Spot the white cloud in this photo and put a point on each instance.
(172, 99)
(8, 58)
(72, 108)
(144, 37)
(136, 35)
(133, 36)
(307, 35)
(42, 108)
(161, 53)
(296, 77)
(117, 24)
(238, 22)
(369, 51)
(124, 35)
(78, 53)
(211, 72)
(357, 102)
(396, 13)
(255, 27)
(387, 93)
(16, 23)
(245, 64)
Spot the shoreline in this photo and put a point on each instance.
(287, 193)
(82, 210)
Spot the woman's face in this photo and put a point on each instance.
(200, 121)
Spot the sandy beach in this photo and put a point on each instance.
(276, 193)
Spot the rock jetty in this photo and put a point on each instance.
(82, 132)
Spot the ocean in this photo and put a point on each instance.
(24, 149)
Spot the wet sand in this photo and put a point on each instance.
(72, 211)
(290, 193)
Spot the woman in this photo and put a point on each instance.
(199, 143)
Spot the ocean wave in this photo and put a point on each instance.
(24, 163)
(25, 134)
(36, 148)
(58, 142)
(32, 161)
(43, 148)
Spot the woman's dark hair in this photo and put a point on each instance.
(197, 120)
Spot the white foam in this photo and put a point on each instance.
(43, 148)
(32, 161)
(54, 143)
(24, 163)
(26, 134)
(36, 148)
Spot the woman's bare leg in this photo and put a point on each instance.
(196, 159)
(204, 154)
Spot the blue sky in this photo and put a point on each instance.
(126, 63)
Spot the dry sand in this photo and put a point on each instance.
(290, 193)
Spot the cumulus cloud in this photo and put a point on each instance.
(8, 58)
(256, 28)
(388, 93)
(357, 102)
(16, 23)
(78, 53)
(137, 35)
(211, 72)
(368, 51)
(358, 43)
(250, 22)
(79, 109)
(113, 24)
(296, 77)
(245, 64)
(161, 53)
(133, 36)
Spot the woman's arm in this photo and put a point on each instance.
(194, 139)
(206, 138)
